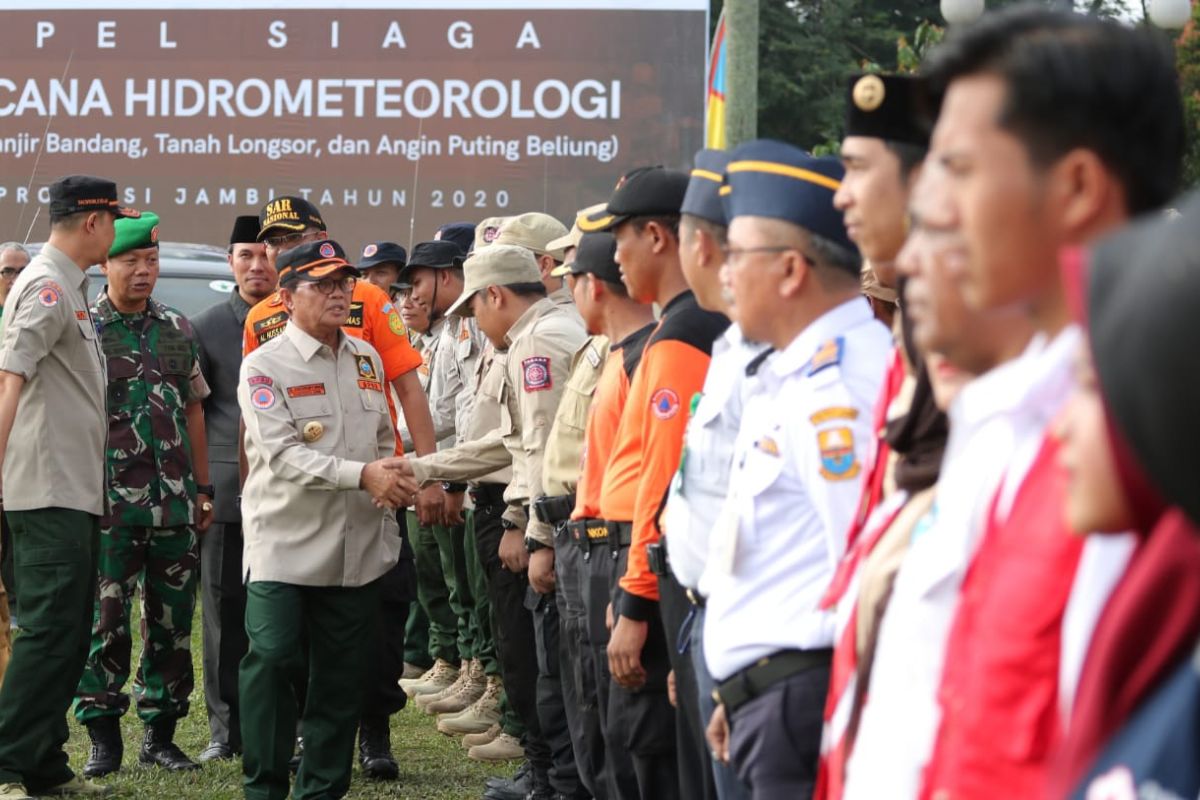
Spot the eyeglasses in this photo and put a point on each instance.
(10, 272)
(286, 241)
(734, 254)
(329, 285)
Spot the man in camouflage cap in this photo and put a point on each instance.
(159, 497)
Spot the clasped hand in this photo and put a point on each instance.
(390, 483)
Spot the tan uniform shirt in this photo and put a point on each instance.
(541, 345)
(458, 372)
(314, 418)
(565, 446)
(483, 457)
(55, 455)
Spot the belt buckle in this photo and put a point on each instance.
(693, 597)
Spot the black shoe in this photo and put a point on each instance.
(216, 751)
(375, 750)
(506, 790)
(519, 780)
(294, 761)
(107, 747)
(158, 748)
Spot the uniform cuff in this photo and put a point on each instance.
(17, 363)
(421, 471)
(350, 474)
(636, 608)
(540, 532)
(517, 517)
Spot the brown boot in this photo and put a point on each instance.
(470, 688)
(477, 717)
(439, 676)
(423, 700)
(473, 739)
(503, 748)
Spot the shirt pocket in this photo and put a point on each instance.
(373, 401)
(86, 354)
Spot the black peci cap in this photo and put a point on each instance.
(891, 107)
(245, 229)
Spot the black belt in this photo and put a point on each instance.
(487, 494)
(553, 510)
(590, 533)
(751, 682)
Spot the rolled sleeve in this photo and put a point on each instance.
(31, 329)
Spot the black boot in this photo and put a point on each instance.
(514, 788)
(158, 748)
(107, 747)
(375, 749)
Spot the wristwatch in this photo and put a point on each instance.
(207, 490)
(533, 545)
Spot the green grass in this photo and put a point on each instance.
(432, 766)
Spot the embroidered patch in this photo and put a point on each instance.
(370, 250)
(48, 296)
(537, 374)
(327, 250)
(464, 331)
(374, 386)
(262, 398)
(366, 368)
(664, 403)
(259, 380)
(832, 413)
(490, 233)
(80, 315)
(395, 324)
(838, 462)
(828, 355)
(768, 446)
(307, 390)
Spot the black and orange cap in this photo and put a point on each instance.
(77, 193)
(644, 192)
(313, 261)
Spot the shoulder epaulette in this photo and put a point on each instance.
(829, 354)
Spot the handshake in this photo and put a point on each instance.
(390, 482)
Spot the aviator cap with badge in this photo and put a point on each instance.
(432, 255)
(75, 194)
(644, 192)
(313, 261)
(495, 265)
(766, 178)
(596, 255)
(702, 198)
(379, 253)
(891, 107)
(134, 233)
(288, 215)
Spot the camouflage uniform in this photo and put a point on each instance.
(149, 536)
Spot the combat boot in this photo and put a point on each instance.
(14, 791)
(503, 748)
(472, 739)
(375, 749)
(517, 787)
(159, 749)
(423, 700)
(477, 717)
(107, 747)
(439, 676)
(470, 689)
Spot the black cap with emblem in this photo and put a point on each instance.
(76, 194)
(378, 253)
(245, 229)
(313, 261)
(461, 233)
(288, 215)
(891, 107)
(644, 192)
(432, 255)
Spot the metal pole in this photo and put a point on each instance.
(741, 88)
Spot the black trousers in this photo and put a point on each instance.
(646, 715)
(551, 704)
(775, 739)
(512, 628)
(223, 604)
(385, 664)
(695, 770)
(577, 667)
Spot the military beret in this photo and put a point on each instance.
(702, 198)
(76, 193)
(245, 229)
(434, 255)
(382, 253)
(134, 233)
(644, 192)
(892, 107)
(312, 261)
(291, 214)
(766, 178)
(495, 265)
(461, 233)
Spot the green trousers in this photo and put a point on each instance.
(437, 591)
(337, 623)
(164, 562)
(54, 561)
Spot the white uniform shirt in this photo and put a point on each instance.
(700, 486)
(912, 636)
(793, 490)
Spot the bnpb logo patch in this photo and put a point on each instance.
(664, 403)
(370, 250)
(262, 398)
(48, 296)
(327, 250)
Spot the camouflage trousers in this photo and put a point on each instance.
(163, 562)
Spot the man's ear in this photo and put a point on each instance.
(287, 298)
(795, 273)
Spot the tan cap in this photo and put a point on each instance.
(494, 265)
(572, 238)
(534, 231)
(487, 231)
(871, 286)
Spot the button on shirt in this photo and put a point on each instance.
(702, 482)
(315, 417)
(55, 455)
(794, 490)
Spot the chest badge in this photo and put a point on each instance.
(313, 431)
(366, 368)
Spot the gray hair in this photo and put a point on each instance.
(20, 248)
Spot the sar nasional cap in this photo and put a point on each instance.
(288, 214)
